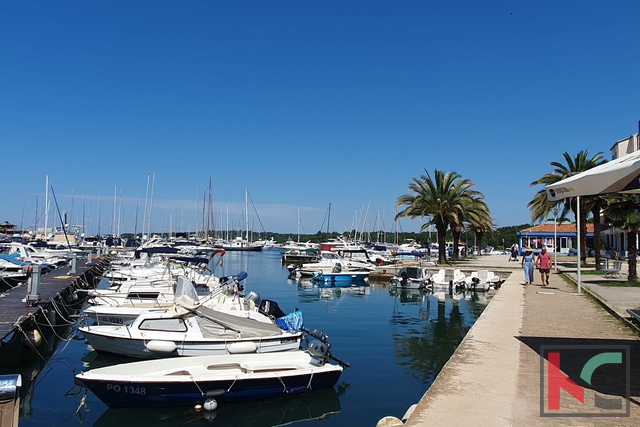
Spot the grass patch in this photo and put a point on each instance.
(575, 265)
(593, 272)
(627, 284)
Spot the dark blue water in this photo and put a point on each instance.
(396, 343)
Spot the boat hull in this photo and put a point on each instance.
(409, 284)
(229, 379)
(142, 348)
(341, 277)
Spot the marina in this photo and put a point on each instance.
(403, 336)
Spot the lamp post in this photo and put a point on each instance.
(555, 237)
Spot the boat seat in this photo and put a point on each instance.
(269, 367)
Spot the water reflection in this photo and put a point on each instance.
(315, 405)
(309, 290)
(428, 326)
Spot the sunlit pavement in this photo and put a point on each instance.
(494, 377)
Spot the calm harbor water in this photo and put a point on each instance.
(396, 343)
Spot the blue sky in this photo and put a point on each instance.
(305, 103)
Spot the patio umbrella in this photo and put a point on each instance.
(621, 175)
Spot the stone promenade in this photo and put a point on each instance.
(494, 379)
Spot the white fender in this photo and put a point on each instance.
(161, 346)
(242, 347)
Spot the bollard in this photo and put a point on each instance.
(74, 262)
(33, 289)
(99, 252)
(10, 399)
(89, 256)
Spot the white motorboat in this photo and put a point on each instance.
(331, 260)
(412, 278)
(190, 331)
(226, 298)
(482, 280)
(159, 290)
(448, 276)
(227, 378)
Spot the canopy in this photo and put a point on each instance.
(621, 175)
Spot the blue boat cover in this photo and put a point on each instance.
(415, 254)
(292, 322)
(193, 260)
(14, 259)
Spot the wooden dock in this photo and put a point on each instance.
(57, 286)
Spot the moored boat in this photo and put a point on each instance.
(412, 278)
(191, 332)
(227, 378)
(341, 276)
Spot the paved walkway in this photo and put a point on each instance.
(493, 379)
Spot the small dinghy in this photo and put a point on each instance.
(225, 378)
(338, 275)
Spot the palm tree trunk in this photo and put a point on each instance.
(479, 235)
(455, 234)
(442, 242)
(633, 253)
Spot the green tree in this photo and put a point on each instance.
(624, 212)
(541, 207)
(444, 200)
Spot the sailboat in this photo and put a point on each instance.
(240, 243)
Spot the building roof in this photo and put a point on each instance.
(551, 228)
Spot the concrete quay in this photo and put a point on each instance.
(493, 378)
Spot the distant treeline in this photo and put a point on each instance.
(501, 238)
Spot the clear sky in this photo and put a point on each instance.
(305, 103)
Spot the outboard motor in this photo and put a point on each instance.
(271, 309)
(292, 268)
(404, 277)
(231, 284)
(253, 296)
(318, 349)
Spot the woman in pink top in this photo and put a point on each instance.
(544, 265)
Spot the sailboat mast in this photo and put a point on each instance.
(35, 224)
(153, 186)
(246, 212)
(115, 204)
(328, 220)
(146, 202)
(46, 206)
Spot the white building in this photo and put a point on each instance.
(614, 238)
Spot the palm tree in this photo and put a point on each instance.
(444, 200)
(476, 212)
(541, 207)
(624, 212)
(481, 225)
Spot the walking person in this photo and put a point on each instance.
(514, 252)
(528, 264)
(544, 264)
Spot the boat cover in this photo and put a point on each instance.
(14, 259)
(215, 324)
(185, 287)
(192, 260)
(292, 322)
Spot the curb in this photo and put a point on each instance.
(597, 298)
